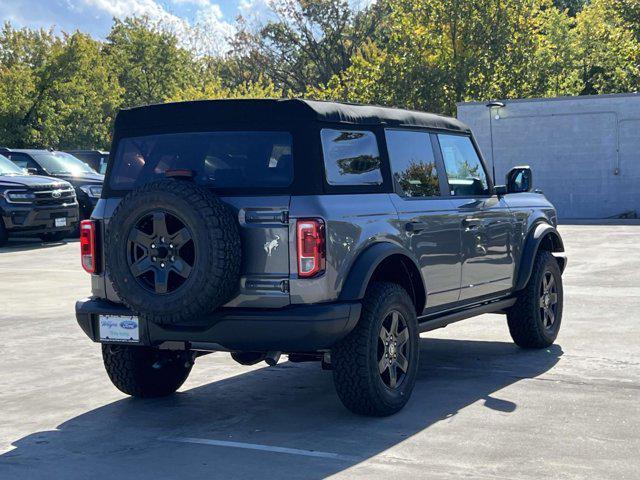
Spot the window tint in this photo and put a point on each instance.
(218, 159)
(413, 163)
(464, 170)
(9, 168)
(351, 157)
(22, 160)
(57, 163)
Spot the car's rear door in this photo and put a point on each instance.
(426, 212)
(264, 234)
(486, 223)
(251, 171)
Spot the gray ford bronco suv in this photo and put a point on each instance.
(324, 231)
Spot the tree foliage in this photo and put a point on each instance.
(63, 90)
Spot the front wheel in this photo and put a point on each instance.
(375, 366)
(145, 372)
(534, 321)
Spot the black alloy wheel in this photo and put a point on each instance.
(548, 300)
(393, 350)
(161, 252)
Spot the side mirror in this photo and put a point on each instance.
(500, 190)
(519, 179)
(32, 171)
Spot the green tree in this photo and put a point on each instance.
(607, 49)
(573, 7)
(147, 60)
(305, 43)
(54, 91)
(213, 88)
(436, 53)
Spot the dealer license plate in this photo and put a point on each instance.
(61, 222)
(119, 328)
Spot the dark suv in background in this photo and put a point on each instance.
(96, 159)
(325, 231)
(35, 205)
(86, 181)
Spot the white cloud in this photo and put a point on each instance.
(206, 33)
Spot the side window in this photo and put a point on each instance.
(465, 172)
(351, 157)
(22, 160)
(413, 163)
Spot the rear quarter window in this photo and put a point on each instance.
(225, 160)
(351, 157)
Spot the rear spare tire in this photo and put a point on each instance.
(173, 251)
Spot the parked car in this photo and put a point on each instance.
(86, 181)
(96, 159)
(34, 205)
(326, 231)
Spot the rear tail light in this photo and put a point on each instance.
(88, 245)
(310, 242)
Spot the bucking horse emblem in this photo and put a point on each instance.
(269, 247)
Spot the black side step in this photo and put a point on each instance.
(431, 323)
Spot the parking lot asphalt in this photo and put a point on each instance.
(482, 408)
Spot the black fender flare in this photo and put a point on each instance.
(539, 233)
(362, 269)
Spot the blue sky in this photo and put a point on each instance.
(95, 16)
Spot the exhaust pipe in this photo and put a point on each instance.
(272, 358)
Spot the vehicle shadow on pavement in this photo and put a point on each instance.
(291, 406)
(25, 244)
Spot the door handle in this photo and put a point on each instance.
(416, 226)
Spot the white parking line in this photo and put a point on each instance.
(264, 448)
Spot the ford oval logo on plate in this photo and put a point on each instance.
(128, 324)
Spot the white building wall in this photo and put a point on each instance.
(584, 151)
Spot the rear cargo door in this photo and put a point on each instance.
(264, 234)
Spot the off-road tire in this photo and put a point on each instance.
(145, 372)
(215, 275)
(55, 236)
(524, 318)
(355, 366)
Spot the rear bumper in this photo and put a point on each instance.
(303, 328)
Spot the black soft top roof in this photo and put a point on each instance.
(211, 112)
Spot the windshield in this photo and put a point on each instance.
(60, 163)
(7, 167)
(218, 159)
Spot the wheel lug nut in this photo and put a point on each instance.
(153, 245)
(153, 259)
(173, 259)
(171, 245)
(162, 265)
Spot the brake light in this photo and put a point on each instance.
(310, 242)
(88, 245)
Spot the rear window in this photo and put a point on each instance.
(218, 159)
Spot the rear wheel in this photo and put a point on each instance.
(145, 372)
(375, 366)
(534, 321)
